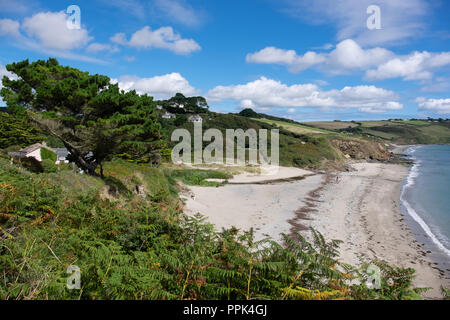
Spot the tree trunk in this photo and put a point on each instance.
(52, 127)
(88, 167)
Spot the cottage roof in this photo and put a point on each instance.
(195, 117)
(60, 152)
(31, 148)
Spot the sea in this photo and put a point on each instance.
(425, 200)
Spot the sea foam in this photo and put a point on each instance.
(410, 181)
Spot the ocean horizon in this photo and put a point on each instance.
(425, 199)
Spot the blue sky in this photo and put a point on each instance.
(302, 59)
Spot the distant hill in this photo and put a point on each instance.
(429, 131)
(300, 145)
(250, 113)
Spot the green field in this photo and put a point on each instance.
(332, 125)
(295, 127)
(394, 131)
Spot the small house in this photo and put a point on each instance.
(168, 115)
(195, 118)
(34, 151)
(61, 155)
(177, 105)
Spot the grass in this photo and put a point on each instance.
(199, 177)
(332, 125)
(294, 127)
(413, 122)
(393, 131)
(327, 149)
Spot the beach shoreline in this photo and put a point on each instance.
(360, 207)
(363, 209)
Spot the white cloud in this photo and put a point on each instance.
(347, 55)
(9, 27)
(179, 11)
(274, 55)
(47, 32)
(440, 84)
(296, 63)
(400, 20)
(440, 106)
(4, 72)
(99, 47)
(160, 87)
(321, 83)
(415, 66)
(119, 38)
(162, 38)
(133, 7)
(326, 46)
(266, 92)
(379, 63)
(17, 6)
(51, 30)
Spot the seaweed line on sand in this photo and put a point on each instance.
(303, 213)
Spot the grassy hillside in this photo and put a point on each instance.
(128, 236)
(300, 145)
(295, 127)
(394, 131)
(332, 125)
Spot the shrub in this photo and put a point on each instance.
(31, 164)
(49, 165)
(47, 154)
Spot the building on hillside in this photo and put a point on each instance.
(34, 151)
(168, 115)
(195, 118)
(177, 105)
(159, 107)
(61, 155)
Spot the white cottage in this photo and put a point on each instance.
(34, 151)
(195, 118)
(168, 115)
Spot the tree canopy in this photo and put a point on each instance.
(249, 113)
(190, 104)
(92, 117)
(17, 131)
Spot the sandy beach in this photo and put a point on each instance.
(360, 207)
(265, 206)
